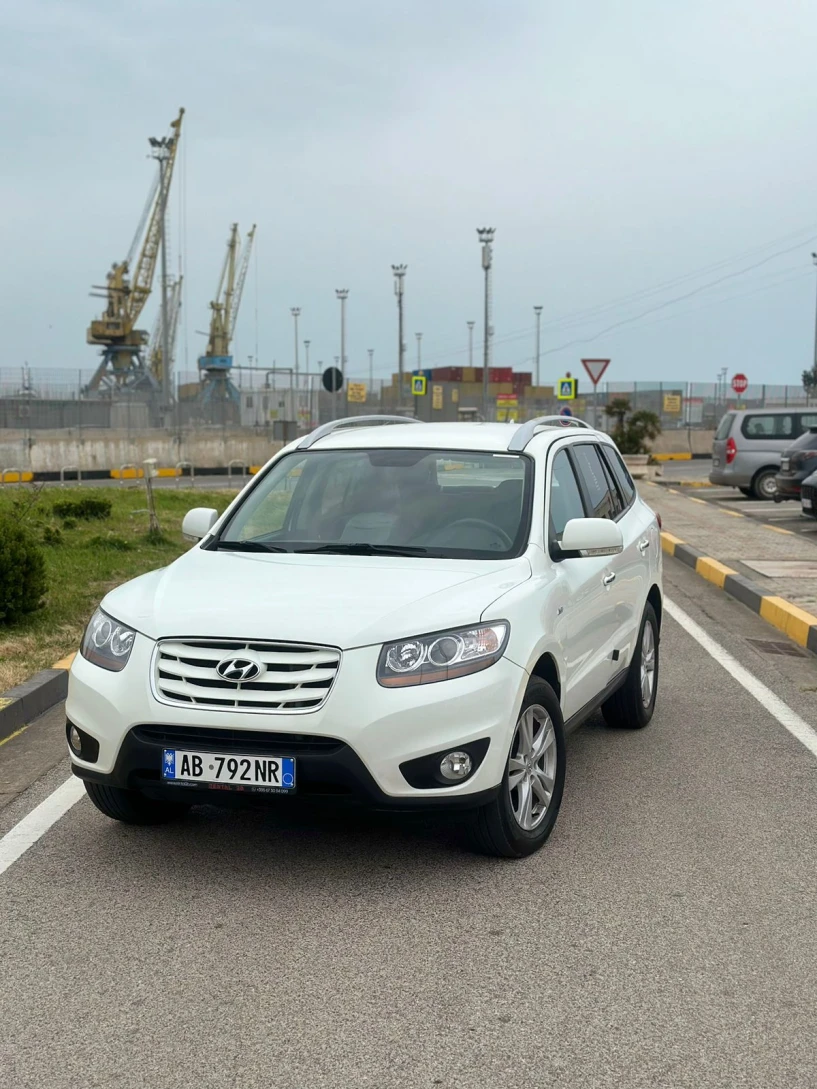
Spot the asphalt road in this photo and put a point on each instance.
(786, 515)
(664, 937)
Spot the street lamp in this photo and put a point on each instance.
(371, 368)
(486, 238)
(160, 150)
(538, 312)
(471, 325)
(399, 285)
(419, 351)
(296, 313)
(343, 294)
(308, 386)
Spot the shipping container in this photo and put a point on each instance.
(501, 374)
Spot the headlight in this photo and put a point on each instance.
(107, 643)
(442, 656)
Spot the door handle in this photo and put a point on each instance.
(608, 579)
(643, 544)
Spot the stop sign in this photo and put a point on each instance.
(740, 383)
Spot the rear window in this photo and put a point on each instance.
(725, 425)
(768, 426)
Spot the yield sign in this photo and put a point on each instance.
(595, 368)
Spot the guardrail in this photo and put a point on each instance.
(180, 467)
(70, 469)
(241, 464)
(128, 472)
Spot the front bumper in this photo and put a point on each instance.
(788, 487)
(353, 746)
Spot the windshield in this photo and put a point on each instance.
(396, 502)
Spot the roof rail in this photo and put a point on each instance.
(349, 422)
(525, 432)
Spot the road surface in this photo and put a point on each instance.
(664, 936)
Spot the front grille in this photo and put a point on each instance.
(295, 677)
(807, 492)
(251, 742)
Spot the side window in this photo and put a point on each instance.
(769, 426)
(604, 502)
(807, 421)
(565, 497)
(622, 477)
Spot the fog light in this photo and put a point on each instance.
(75, 741)
(455, 765)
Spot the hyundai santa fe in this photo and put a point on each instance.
(402, 614)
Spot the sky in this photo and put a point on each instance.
(627, 154)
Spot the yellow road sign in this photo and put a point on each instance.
(356, 393)
(566, 390)
(418, 385)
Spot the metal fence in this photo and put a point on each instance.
(53, 399)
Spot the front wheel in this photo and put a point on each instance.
(764, 485)
(632, 706)
(522, 815)
(131, 807)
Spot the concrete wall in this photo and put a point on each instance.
(50, 451)
(684, 441)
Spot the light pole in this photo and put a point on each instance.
(371, 368)
(399, 285)
(307, 383)
(471, 325)
(296, 313)
(419, 351)
(486, 238)
(342, 294)
(161, 151)
(538, 312)
(814, 260)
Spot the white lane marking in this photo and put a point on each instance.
(26, 832)
(796, 726)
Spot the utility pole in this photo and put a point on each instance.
(471, 325)
(306, 359)
(371, 368)
(538, 312)
(161, 152)
(486, 238)
(399, 284)
(343, 294)
(307, 383)
(296, 313)
(814, 260)
(419, 351)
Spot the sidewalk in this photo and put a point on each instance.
(764, 566)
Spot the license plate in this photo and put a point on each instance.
(806, 504)
(223, 771)
(784, 465)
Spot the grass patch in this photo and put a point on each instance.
(83, 564)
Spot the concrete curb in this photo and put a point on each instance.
(799, 625)
(26, 701)
(678, 457)
(9, 476)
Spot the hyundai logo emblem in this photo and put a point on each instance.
(239, 669)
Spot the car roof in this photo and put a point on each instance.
(772, 411)
(483, 437)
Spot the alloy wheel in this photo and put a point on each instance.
(532, 767)
(647, 664)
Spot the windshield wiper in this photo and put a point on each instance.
(248, 546)
(363, 549)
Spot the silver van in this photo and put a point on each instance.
(748, 444)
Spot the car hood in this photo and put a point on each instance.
(344, 601)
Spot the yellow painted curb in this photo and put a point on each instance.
(16, 478)
(668, 542)
(671, 457)
(788, 618)
(65, 663)
(127, 474)
(778, 529)
(16, 733)
(713, 570)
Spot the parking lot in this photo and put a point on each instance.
(661, 938)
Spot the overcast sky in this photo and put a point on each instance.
(613, 146)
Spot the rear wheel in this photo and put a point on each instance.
(521, 817)
(632, 706)
(131, 807)
(764, 485)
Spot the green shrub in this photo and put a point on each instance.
(86, 509)
(112, 543)
(69, 523)
(22, 571)
(52, 535)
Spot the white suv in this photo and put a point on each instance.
(409, 615)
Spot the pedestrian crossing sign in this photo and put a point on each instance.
(567, 389)
(418, 385)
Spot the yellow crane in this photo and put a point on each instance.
(155, 347)
(216, 363)
(127, 292)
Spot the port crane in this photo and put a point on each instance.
(155, 346)
(216, 363)
(128, 286)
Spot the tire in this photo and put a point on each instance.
(747, 492)
(628, 709)
(764, 484)
(131, 807)
(497, 828)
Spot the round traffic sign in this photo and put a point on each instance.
(740, 383)
(565, 412)
(332, 379)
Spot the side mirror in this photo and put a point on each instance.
(592, 537)
(198, 522)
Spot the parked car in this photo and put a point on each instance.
(808, 496)
(749, 444)
(407, 616)
(798, 461)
